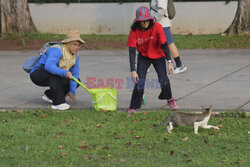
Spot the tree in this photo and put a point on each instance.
(15, 17)
(241, 22)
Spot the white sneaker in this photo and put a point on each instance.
(45, 98)
(63, 106)
(178, 70)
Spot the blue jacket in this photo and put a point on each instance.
(50, 62)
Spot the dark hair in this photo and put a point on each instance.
(135, 25)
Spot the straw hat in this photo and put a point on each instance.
(73, 35)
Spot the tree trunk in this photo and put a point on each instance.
(241, 22)
(15, 17)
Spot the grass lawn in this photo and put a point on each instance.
(109, 42)
(88, 138)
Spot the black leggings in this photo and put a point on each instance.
(143, 64)
(59, 86)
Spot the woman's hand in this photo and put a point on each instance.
(72, 97)
(68, 75)
(134, 77)
(170, 68)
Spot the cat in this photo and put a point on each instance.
(184, 119)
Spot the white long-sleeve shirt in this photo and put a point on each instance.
(158, 9)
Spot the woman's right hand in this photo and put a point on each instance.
(68, 75)
(134, 76)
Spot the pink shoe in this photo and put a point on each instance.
(131, 110)
(172, 104)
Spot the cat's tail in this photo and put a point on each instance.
(164, 121)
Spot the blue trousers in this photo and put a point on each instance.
(143, 64)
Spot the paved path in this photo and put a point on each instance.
(220, 78)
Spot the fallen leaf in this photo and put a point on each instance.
(63, 153)
(145, 113)
(128, 144)
(221, 119)
(185, 139)
(26, 148)
(137, 137)
(65, 120)
(105, 147)
(83, 142)
(98, 125)
(248, 132)
(172, 152)
(129, 131)
(205, 141)
(93, 157)
(219, 126)
(104, 158)
(43, 116)
(188, 160)
(61, 124)
(139, 144)
(239, 161)
(248, 138)
(84, 147)
(61, 133)
(122, 160)
(193, 149)
(60, 146)
(85, 157)
(135, 121)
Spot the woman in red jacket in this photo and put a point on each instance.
(150, 41)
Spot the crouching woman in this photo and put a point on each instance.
(55, 68)
(148, 38)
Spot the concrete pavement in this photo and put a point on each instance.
(220, 78)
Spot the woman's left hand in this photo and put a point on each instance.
(72, 97)
(170, 68)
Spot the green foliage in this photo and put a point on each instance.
(88, 138)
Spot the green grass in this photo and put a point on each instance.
(88, 138)
(215, 41)
(118, 41)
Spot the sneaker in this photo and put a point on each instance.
(63, 106)
(131, 110)
(172, 104)
(181, 69)
(45, 98)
